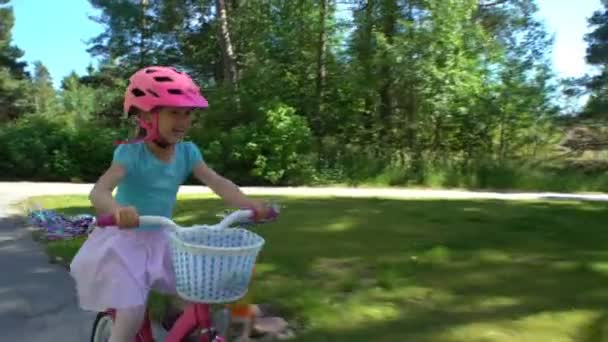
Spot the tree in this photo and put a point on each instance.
(79, 100)
(43, 92)
(404, 84)
(13, 77)
(597, 55)
(131, 29)
(10, 54)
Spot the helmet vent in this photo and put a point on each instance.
(138, 92)
(175, 91)
(163, 79)
(152, 92)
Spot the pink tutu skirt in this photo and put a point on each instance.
(117, 268)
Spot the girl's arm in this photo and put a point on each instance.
(101, 194)
(226, 189)
(104, 203)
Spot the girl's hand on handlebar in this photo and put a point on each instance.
(263, 211)
(126, 217)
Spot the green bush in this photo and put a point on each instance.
(37, 147)
(34, 148)
(275, 149)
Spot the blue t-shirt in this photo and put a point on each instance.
(150, 184)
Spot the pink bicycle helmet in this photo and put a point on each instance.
(159, 86)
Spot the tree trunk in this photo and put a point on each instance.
(321, 55)
(411, 109)
(365, 56)
(437, 137)
(144, 34)
(502, 147)
(37, 103)
(321, 76)
(228, 54)
(385, 91)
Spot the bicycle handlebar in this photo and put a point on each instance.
(239, 216)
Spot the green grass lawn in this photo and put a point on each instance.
(403, 270)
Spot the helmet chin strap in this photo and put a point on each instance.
(152, 133)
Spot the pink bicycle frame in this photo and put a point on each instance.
(196, 315)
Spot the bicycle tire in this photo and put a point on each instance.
(100, 325)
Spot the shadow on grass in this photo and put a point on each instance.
(397, 270)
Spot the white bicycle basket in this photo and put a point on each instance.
(214, 265)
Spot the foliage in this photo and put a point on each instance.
(597, 55)
(57, 149)
(275, 148)
(13, 77)
(360, 91)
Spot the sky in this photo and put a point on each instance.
(55, 32)
(567, 21)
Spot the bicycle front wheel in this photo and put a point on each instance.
(102, 328)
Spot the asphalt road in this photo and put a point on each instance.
(37, 299)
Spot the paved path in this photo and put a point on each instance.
(29, 189)
(37, 301)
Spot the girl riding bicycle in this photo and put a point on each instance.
(117, 266)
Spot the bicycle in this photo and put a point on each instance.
(195, 322)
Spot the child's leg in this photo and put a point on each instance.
(127, 323)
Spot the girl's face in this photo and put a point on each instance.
(173, 123)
